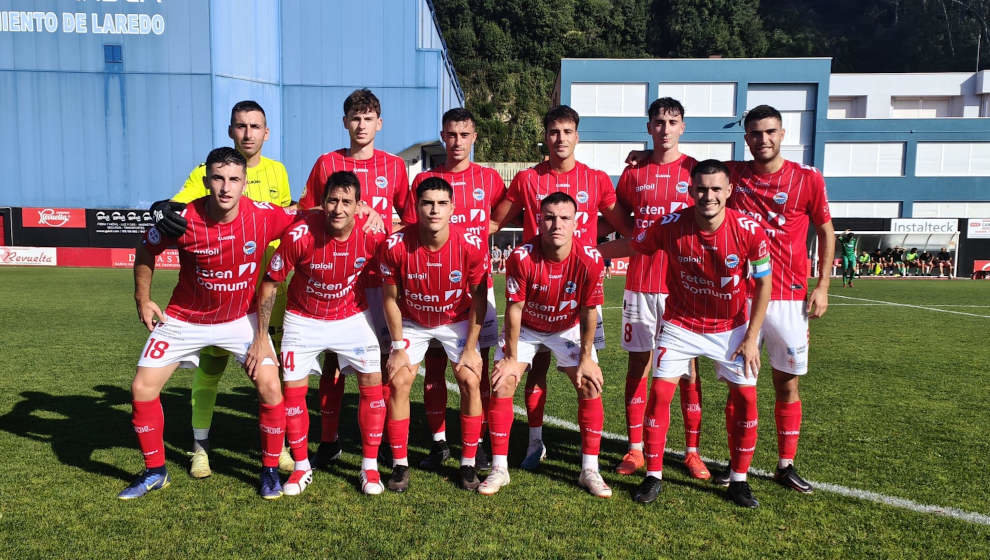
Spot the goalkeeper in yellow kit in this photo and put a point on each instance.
(267, 181)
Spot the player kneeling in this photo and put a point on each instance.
(553, 283)
(706, 315)
(434, 289)
(326, 311)
(219, 257)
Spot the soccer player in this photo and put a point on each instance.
(654, 190)
(593, 192)
(848, 242)
(552, 287)
(327, 311)
(434, 289)
(212, 305)
(706, 315)
(386, 188)
(782, 196)
(477, 190)
(266, 181)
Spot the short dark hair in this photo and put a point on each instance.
(557, 198)
(342, 180)
(361, 101)
(560, 113)
(759, 113)
(457, 114)
(245, 106)
(434, 184)
(666, 105)
(225, 156)
(708, 167)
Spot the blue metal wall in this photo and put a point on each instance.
(745, 72)
(82, 132)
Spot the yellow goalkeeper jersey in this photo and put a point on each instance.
(266, 182)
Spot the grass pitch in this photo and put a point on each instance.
(896, 404)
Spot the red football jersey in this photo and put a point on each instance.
(782, 203)
(434, 286)
(330, 275)
(707, 270)
(554, 292)
(384, 183)
(219, 263)
(652, 191)
(591, 188)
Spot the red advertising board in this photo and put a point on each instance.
(53, 217)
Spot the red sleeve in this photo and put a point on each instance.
(402, 195)
(295, 242)
(282, 218)
(498, 189)
(758, 245)
(515, 192)
(477, 263)
(515, 275)
(650, 240)
(606, 191)
(624, 190)
(373, 242)
(388, 258)
(409, 215)
(592, 293)
(155, 242)
(818, 202)
(313, 191)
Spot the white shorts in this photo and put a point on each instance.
(489, 330)
(677, 346)
(178, 341)
(352, 339)
(785, 336)
(599, 332)
(376, 306)
(451, 336)
(565, 345)
(642, 317)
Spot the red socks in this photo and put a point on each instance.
(536, 400)
(470, 434)
(788, 417)
(730, 422)
(500, 424)
(331, 401)
(591, 417)
(398, 438)
(371, 419)
(435, 390)
(271, 423)
(658, 422)
(691, 410)
(635, 407)
(297, 421)
(745, 427)
(148, 419)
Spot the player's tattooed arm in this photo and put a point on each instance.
(509, 369)
(397, 357)
(470, 356)
(261, 347)
(749, 349)
(144, 268)
(588, 370)
(818, 300)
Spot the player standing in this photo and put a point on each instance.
(552, 287)
(593, 192)
(782, 196)
(385, 186)
(848, 242)
(266, 181)
(212, 305)
(327, 311)
(434, 289)
(706, 315)
(657, 188)
(477, 190)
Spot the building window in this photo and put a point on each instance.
(864, 209)
(721, 151)
(113, 54)
(950, 210)
(920, 107)
(847, 107)
(609, 100)
(607, 156)
(702, 99)
(953, 159)
(860, 159)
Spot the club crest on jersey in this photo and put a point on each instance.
(455, 276)
(682, 187)
(154, 236)
(359, 262)
(381, 182)
(511, 285)
(732, 260)
(780, 197)
(581, 197)
(479, 194)
(570, 287)
(250, 247)
(276, 264)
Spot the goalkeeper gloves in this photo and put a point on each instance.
(167, 217)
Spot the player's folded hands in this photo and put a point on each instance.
(471, 359)
(397, 360)
(589, 372)
(503, 370)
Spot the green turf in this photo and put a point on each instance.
(896, 403)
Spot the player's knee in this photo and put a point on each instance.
(587, 391)
(269, 389)
(369, 379)
(401, 381)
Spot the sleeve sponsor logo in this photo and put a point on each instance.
(154, 236)
(297, 232)
(747, 224)
(511, 285)
(394, 239)
(264, 205)
(276, 264)
(592, 252)
(473, 239)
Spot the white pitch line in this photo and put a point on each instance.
(912, 306)
(865, 495)
(929, 305)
